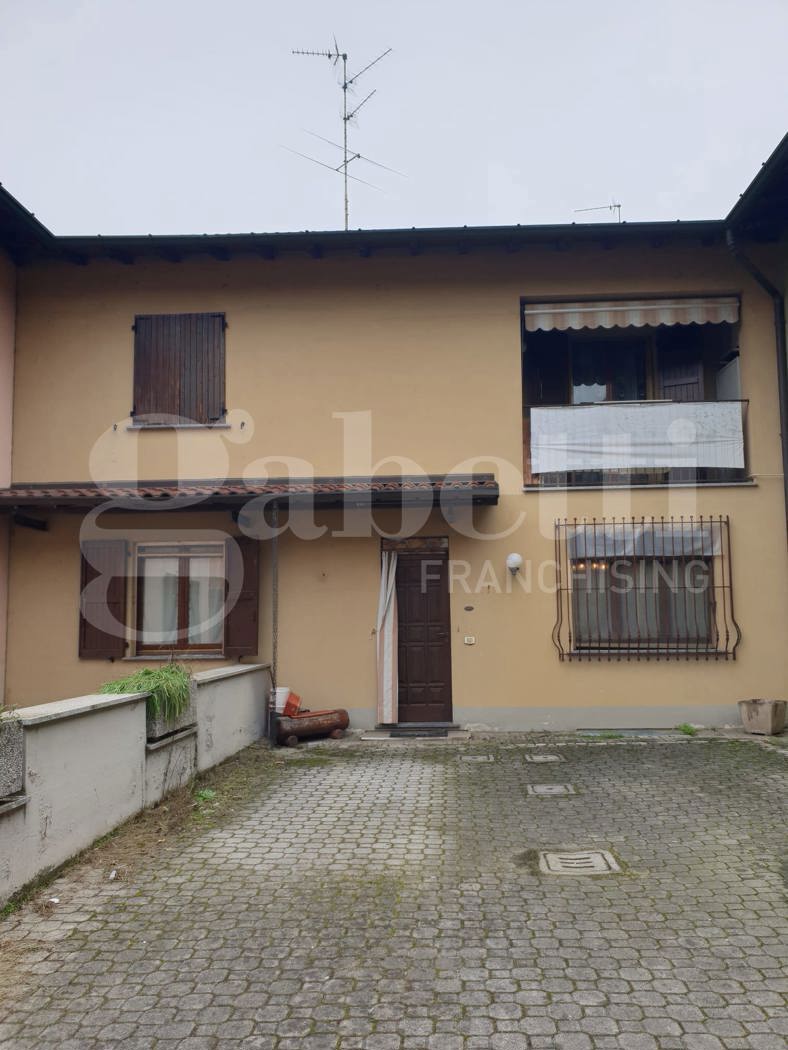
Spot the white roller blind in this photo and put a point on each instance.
(655, 539)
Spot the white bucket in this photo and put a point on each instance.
(281, 695)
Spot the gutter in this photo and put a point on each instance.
(778, 301)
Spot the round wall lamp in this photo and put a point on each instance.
(514, 562)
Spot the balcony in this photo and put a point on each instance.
(630, 443)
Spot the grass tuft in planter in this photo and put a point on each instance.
(169, 687)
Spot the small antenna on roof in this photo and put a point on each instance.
(613, 206)
(335, 57)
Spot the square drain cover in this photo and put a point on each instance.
(543, 758)
(550, 789)
(583, 862)
(477, 758)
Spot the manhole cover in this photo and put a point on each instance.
(543, 758)
(583, 862)
(477, 758)
(550, 789)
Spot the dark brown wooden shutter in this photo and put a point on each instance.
(157, 368)
(240, 625)
(102, 605)
(680, 363)
(681, 380)
(179, 367)
(203, 391)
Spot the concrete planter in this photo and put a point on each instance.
(158, 727)
(764, 717)
(12, 756)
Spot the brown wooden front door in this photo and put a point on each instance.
(424, 637)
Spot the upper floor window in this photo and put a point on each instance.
(632, 392)
(607, 370)
(178, 369)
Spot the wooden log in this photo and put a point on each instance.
(311, 723)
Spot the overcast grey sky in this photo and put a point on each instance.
(169, 116)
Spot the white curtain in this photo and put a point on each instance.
(160, 605)
(388, 683)
(206, 600)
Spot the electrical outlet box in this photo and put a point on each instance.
(470, 639)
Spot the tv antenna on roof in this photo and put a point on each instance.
(347, 83)
(613, 206)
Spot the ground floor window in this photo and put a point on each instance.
(646, 602)
(651, 588)
(160, 598)
(180, 597)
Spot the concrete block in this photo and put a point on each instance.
(169, 764)
(158, 727)
(12, 756)
(764, 717)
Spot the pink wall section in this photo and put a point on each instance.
(7, 329)
(7, 326)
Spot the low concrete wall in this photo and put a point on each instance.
(84, 774)
(169, 764)
(229, 713)
(88, 765)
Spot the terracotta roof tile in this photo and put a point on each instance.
(482, 487)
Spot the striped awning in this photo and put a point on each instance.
(629, 313)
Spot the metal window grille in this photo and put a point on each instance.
(644, 588)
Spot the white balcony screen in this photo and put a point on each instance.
(646, 435)
(627, 313)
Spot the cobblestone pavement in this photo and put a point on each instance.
(384, 897)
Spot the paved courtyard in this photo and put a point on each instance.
(388, 896)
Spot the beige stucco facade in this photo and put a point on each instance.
(345, 366)
(429, 346)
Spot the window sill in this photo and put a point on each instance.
(647, 654)
(749, 483)
(174, 655)
(179, 426)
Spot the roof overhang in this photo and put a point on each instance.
(21, 234)
(306, 244)
(762, 210)
(400, 490)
